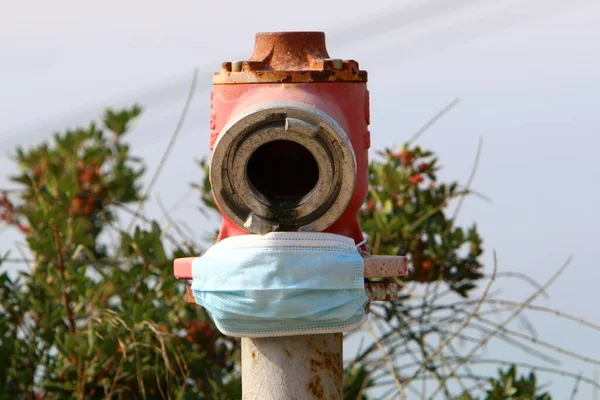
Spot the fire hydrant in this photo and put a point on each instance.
(289, 144)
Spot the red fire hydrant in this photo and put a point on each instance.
(289, 144)
(289, 139)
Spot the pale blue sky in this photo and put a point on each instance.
(528, 74)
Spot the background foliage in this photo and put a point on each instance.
(97, 313)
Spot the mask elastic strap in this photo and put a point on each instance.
(361, 243)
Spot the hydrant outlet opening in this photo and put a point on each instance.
(283, 166)
(282, 171)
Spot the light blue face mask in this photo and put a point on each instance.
(282, 283)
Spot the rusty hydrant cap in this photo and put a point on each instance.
(290, 57)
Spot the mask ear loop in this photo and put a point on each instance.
(367, 308)
(361, 243)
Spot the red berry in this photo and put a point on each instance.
(77, 205)
(371, 205)
(88, 177)
(415, 179)
(405, 158)
(427, 264)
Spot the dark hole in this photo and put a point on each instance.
(283, 171)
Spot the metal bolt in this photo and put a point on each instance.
(226, 66)
(236, 66)
(337, 63)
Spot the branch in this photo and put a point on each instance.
(504, 329)
(387, 361)
(561, 314)
(61, 269)
(461, 200)
(165, 155)
(434, 119)
(576, 387)
(465, 322)
(508, 320)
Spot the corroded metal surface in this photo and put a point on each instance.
(188, 295)
(289, 57)
(382, 291)
(385, 266)
(293, 367)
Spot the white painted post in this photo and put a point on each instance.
(293, 367)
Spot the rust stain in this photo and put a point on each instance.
(325, 366)
(189, 296)
(385, 266)
(328, 362)
(244, 76)
(287, 353)
(382, 291)
(315, 387)
(289, 57)
(293, 51)
(253, 354)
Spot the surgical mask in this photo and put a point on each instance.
(282, 284)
